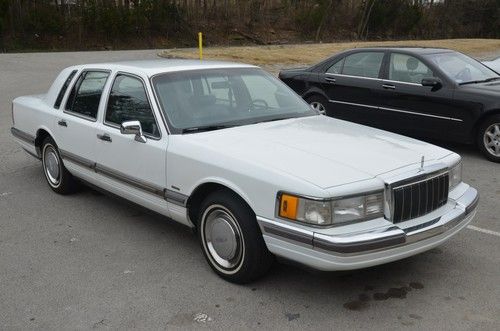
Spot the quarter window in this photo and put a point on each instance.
(336, 68)
(86, 94)
(60, 96)
(363, 64)
(409, 69)
(128, 102)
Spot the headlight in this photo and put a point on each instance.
(324, 212)
(455, 175)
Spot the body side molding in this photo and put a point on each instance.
(169, 195)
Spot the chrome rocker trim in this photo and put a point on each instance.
(26, 137)
(387, 237)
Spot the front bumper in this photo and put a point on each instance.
(368, 247)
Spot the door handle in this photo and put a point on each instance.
(62, 123)
(330, 79)
(389, 87)
(104, 137)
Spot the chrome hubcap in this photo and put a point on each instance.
(223, 238)
(492, 139)
(319, 107)
(52, 167)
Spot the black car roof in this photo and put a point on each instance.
(406, 49)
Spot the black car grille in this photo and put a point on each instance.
(420, 197)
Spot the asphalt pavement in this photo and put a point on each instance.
(91, 261)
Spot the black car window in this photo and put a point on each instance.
(409, 69)
(60, 96)
(128, 102)
(86, 94)
(363, 64)
(336, 68)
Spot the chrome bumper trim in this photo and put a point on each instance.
(375, 239)
(364, 241)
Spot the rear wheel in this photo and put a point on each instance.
(488, 138)
(231, 240)
(318, 103)
(58, 177)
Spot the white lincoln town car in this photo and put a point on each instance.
(232, 152)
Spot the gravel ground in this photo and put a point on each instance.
(90, 261)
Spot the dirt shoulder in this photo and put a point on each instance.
(304, 54)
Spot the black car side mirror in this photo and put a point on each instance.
(432, 82)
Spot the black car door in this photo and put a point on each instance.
(408, 106)
(350, 83)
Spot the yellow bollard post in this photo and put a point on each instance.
(200, 44)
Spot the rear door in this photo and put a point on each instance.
(76, 124)
(351, 84)
(410, 108)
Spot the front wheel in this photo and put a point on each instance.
(488, 139)
(319, 103)
(231, 240)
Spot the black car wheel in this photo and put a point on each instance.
(231, 240)
(58, 177)
(318, 103)
(488, 138)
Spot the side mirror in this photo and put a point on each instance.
(432, 82)
(133, 127)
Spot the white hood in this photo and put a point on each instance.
(321, 150)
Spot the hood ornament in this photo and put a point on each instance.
(422, 164)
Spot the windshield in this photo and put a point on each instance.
(461, 68)
(216, 98)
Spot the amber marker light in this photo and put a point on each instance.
(288, 206)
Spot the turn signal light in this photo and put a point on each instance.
(288, 206)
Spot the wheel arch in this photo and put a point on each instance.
(314, 91)
(41, 134)
(484, 116)
(202, 190)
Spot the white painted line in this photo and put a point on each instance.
(475, 228)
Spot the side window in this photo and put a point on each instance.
(409, 69)
(363, 64)
(336, 67)
(128, 102)
(60, 96)
(86, 93)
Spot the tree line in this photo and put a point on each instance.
(97, 24)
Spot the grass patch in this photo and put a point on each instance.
(312, 53)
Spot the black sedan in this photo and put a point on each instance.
(421, 92)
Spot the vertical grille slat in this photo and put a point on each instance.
(417, 199)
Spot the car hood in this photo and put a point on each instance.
(321, 150)
(486, 88)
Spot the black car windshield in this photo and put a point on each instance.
(211, 99)
(461, 68)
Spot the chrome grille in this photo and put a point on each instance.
(420, 197)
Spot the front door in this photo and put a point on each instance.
(133, 168)
(411, 108)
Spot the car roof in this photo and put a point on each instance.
(406, 49)
(156, 66)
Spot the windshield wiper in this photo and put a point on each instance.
(276, 119)
(480, 81)
(491, 79)
(206, 128)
